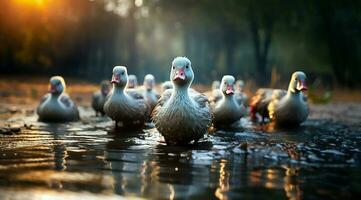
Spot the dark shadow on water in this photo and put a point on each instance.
(320, 159)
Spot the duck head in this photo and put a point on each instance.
(166, 85)
(298, 82)
(56, 85)
(240, 85)
(181, 73)
(120, 76)
(133, 81)
(227, 85)
(149, 82)
(215, 85)
(105, 87)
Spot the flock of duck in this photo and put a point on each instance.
(180, 113)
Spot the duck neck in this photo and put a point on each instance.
(180, 92)
(54, 96)
(118, 90)
(293, 93)
(228, 98)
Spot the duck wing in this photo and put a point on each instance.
(259, 102)
(42, 100)
(157, 94)
(164, 97)
(95, 99)
(135, 94)
(201, 99)
(65, 99)
(277, 95)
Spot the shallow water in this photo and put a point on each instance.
(321, 159)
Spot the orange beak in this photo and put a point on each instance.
(52, 88)
(229, 89)
(115, 79)
(179, 75)
(301, 86)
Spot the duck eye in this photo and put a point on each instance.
(187, 66)
(173, 67)
(122, 73)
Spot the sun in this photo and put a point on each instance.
(36, 3)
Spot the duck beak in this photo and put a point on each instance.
(52, 88)
(301, 86)
(131, 85)
(148, 86)
(115, 79)
(179, 75)
(105, 91)
(229, 89)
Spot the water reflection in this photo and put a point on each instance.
(224, 175)
(292, 183)
(91, 157)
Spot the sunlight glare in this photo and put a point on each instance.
(36, 3)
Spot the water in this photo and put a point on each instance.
(89, 159)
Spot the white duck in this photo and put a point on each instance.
(132, 82)
(287, 108)
(182, 115)
(56, 106)
(149, 93)
(99, 98)
(227, 110)
(166, 85)
(126, 107)
(215, 94)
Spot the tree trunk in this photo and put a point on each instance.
(261, 46)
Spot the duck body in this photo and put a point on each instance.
(227, 110)
(260, 101)
(99, 98)
(98, 101)
(182, 115)
(56, 106)
(151, 98)
(57, 109)
(150, 94)
(285, 108)
(125, 106)
(288, 110)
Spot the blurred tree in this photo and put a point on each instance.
(86, 38)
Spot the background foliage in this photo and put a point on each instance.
(256, 40)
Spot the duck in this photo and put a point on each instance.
(215, 94)
(99, 98)
(56, 106)
(132, 82)
(127, 107)
(149, 92)
(285, 108)
(166, 85)
(182, 115)
(227, 110)
(241, 96)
